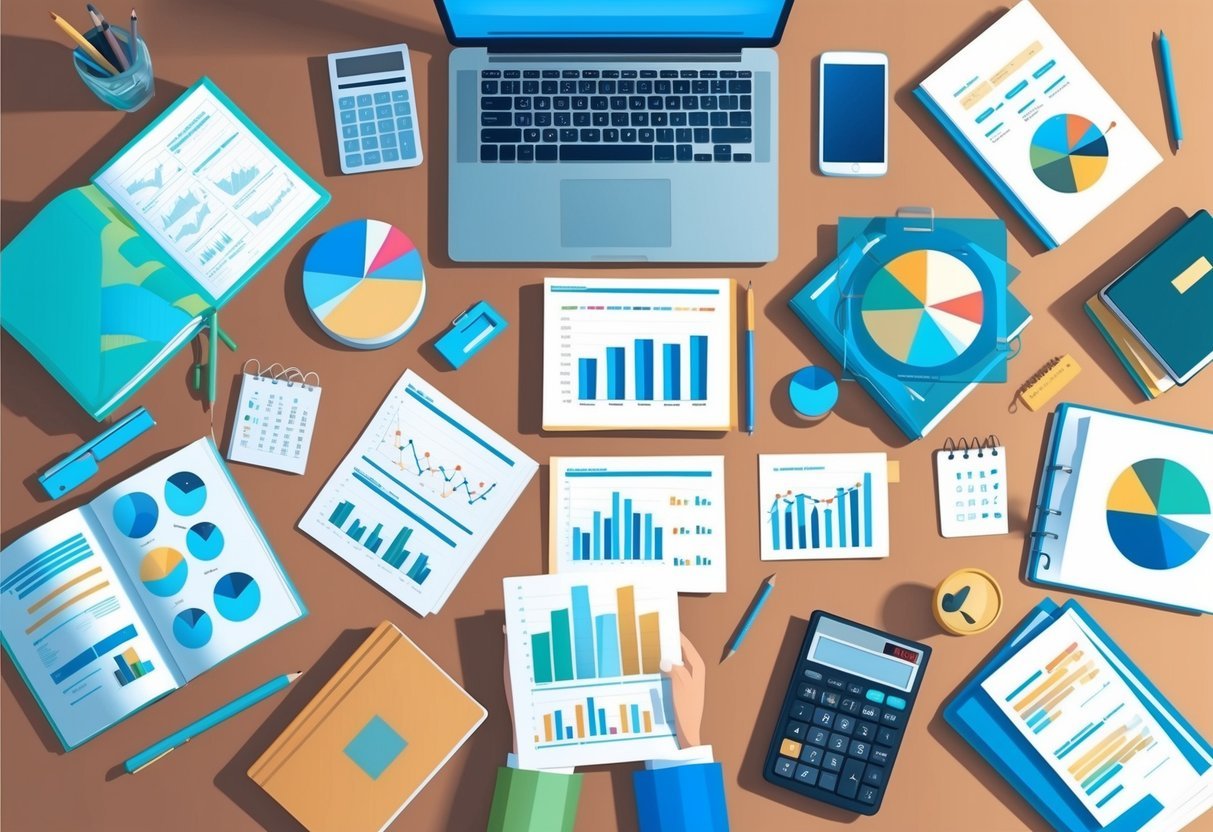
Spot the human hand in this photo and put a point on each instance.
(688, 682)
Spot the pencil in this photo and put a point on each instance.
(763, 594)
(83, 43)
(751, 381)
(134, 35)
(101, 23)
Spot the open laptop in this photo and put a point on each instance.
(613, 130)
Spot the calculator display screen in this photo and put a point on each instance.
(366, 64)
(864, 653)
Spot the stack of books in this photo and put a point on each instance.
(1156, 315)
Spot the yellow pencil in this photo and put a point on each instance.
(88, 48)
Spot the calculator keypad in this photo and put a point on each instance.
(377, 128)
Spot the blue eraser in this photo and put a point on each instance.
(470, 333)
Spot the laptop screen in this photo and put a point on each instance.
(480, 21)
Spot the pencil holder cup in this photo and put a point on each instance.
(127, 90)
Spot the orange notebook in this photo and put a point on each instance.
(370, 740)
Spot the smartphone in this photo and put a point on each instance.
(853, 114)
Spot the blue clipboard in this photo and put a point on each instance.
(975, 716)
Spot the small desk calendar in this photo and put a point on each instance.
(972, 481)
(275, 419)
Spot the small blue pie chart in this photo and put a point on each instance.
(237, 596)
(204, 540)
(185, 493)
(135, 514)
(193, 628)
(813, 392)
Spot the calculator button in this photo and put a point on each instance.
(896, 702)
(349, 117)
(830, 699)
(349, 132)
(797, 731)
(867, 794)
(351, 146)
(809, 693)
(785, 767)
(879, 756)
(874, 776)
(832, 761)
(387, 140)
(354, 160)
(390, 154)
(854, 689)
(848, 784)
(364, 101)
(886, 736)
(876, 696)
(404, 123)
(844, 724)
(801, 711)
(812, 674)
(346, 102)
(790, 748)
(818, 736)
(366, 128)
(370, 143)
(401, 109)
(838, 742)
(890, 718)
(865, 731)
(382, 98)
(870, 712)
(823, 717)
(387, 126)
(828, 780)
(366, 114)
(836, 683)
(383, 111)
(371, 158)
(851, 706)
(806, 775)
(407, 148)
(400, 95)
(859, 749)
(811, 755)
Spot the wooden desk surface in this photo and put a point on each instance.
(269, 56)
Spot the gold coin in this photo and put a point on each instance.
(968, 601)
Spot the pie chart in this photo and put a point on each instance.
(204, 540)
(237, 596)
(163, 571)
(135, 514)
(923, 308)
(193, 628)
(364, 283)
(185, 493)
(1068, 153)
(1155, 509)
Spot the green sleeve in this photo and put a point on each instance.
(534, 801)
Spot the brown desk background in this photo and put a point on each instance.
(269, 56)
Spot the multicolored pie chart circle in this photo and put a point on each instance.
(1068, 153)
(1154, 510)
(163, 571)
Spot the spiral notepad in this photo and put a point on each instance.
(275, 418)
(972, 487)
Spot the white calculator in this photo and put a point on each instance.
(375, 109)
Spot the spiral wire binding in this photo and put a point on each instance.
(1038, 376)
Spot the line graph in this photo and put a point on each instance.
(194, 226)
(184, 204)
(153, 181)
(451, 479)
(258, 217)
(237, 180)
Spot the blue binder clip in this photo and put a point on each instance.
(80, 464)
(470, 333)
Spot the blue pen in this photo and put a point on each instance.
(749, 619)
(150, 755)
(749, 349)
(1168, 75)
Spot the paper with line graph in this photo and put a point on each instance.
(419, 495)
(1064, 696)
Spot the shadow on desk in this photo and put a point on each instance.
(52, 87)
(482, 659)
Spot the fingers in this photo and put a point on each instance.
(675, 672)
(690, 656)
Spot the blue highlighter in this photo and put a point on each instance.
(75, 468)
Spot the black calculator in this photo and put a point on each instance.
(845, 713)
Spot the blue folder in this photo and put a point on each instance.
(976, 717)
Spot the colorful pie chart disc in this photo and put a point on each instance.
(1068, 153)
(163, 571)
(1158, 513)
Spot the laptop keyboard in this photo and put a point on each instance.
(616, 115)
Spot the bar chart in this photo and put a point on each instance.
(395, 554)
(585, 667)
(650, 513)
(130, 667)
(628, 353)
(824, 506)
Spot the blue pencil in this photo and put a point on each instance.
(1168, 75)
(767, 586)
(751, 401)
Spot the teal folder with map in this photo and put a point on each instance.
(110, 280)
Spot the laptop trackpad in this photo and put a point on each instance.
(615, 213)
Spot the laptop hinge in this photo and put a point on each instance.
(607, 55)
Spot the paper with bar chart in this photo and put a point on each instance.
(641, 515)
(1067, 700)
(419, 495)
(823, 506)
(585, 655)
(632, 354)
(206, 185)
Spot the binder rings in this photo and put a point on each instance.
(976, 715)
(1123, 509)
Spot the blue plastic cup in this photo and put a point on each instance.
(127, 90)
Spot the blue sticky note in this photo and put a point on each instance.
(375, 747)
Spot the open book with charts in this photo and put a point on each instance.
(585, 654)
(418, 496)
(110, 606)
(110, 280)
(654, 516)
(1038, 124)
(636, 354)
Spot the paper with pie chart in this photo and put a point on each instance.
(1021, 103)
